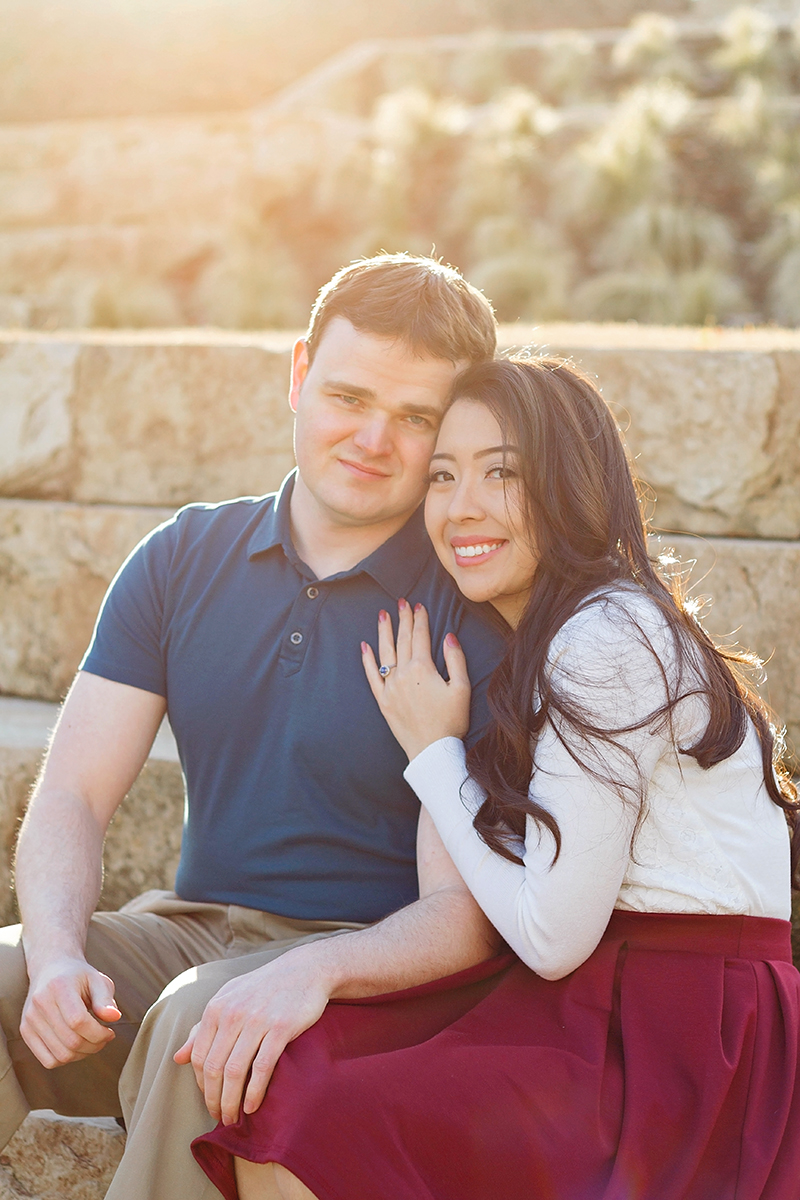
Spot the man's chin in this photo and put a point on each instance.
(352, 507)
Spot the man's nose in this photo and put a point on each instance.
(374, 436)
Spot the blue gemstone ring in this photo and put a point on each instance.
(384, 671)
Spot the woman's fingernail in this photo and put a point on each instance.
(363, 647)
(453, 641)
(383, 615)
(417, 608)
(402, 604)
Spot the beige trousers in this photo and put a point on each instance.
(167, 958)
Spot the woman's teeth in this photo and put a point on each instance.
(475, 551)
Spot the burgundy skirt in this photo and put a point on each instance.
(666, 1067)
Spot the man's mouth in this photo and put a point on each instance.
(362, 471)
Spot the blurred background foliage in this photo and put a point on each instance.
(651, 174)
(654, 179)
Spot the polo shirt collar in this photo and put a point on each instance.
(274, 528)
(399, 562)
(395, 566)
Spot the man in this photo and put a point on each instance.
(244, 621)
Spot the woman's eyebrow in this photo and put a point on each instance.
(479, 453)
(496, 450)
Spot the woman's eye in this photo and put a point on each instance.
(440, 476)
(501, 472)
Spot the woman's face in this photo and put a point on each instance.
(474, 510)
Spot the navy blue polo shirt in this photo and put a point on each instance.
(296, 802)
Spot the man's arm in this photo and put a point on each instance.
(251, 1019)
(100, 744)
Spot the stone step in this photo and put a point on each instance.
(145, 419)
(58, 558)
(750, 586)
(56, 561)
(143, 842)
(712, 417)
(60, 1158)
(157, 169)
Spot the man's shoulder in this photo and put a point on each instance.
(240, 510)
(203, 521)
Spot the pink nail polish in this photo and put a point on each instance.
(363, 647)
(402, 604)
(417, 608)
(383, 615)
(453, 641)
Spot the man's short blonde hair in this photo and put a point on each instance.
(414, 299)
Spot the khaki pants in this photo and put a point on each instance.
(167, 958)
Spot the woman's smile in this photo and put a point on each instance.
(471, 552)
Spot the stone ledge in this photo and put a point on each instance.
(712, 417)
(751, 586)
(56, 561)
(60, 1158)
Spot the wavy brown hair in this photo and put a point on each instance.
(587, 525)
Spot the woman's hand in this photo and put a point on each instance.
(419, 706)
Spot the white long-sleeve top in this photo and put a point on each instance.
(710, 841)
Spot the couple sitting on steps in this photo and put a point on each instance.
(567, 974)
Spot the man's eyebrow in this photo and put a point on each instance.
(349, 389)
(480, 453)
(341, 388)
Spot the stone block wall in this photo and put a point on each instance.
(105, 435)
(102, 436)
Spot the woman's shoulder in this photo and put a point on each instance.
(617, 617)
(620, 641)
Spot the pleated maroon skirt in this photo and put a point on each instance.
(666, 1067)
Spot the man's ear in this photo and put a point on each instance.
(299, 371)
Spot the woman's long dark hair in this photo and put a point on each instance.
(589, 533)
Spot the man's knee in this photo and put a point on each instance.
(182, 1003)
(13, 979)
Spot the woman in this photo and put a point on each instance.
(623, 827)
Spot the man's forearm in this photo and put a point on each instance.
(249, 1022)
(58, 876)
(441, 934)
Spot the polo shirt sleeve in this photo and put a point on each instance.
(126, 645)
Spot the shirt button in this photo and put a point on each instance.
(296, 638)
(312, 593)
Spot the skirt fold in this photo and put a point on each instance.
(664, 1068)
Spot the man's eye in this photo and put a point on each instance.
(440, 476)
(419, 421)
(348, 399)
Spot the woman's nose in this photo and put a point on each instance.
(465, 503)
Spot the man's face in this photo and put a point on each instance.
(368, 410)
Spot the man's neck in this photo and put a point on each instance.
(327, 545)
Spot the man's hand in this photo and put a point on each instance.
(62, 1014)
(246, 1027)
